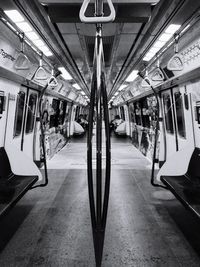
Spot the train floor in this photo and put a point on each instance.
(146, 226)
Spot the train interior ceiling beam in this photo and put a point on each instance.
(129, 13)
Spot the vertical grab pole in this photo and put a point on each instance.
(108, 153)
(99, 101)
(89, 152)
(98, 130)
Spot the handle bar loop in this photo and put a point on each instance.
(97, 20)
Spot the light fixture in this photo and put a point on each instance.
(48, 53)
(32, 35)
(76, 86)
(172, 28)
(44, 48)
(24, 26)
(165, 37)
(158, 44)
(162, 40)
(116, 94)
(38, 43)
(82, 93)
(122, 87)
(14, 15)
(154, 50)
(29, 32)
(65, 74)
(132, 76)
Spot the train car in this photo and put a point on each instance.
(161, 111)
(99, 104)
(31, 98)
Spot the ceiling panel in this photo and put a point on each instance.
(114, 1)
(131, 28)
(67, 28)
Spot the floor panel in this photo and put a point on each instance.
(145, 227)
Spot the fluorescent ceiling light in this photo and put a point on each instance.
(76, 86)
(122, 87)
(44, 48)
(65, 74)
(154, 50)
(146, 58)
(165, 37)
(14, 15)
(38, 43)
(82, 93)
(132, 76)
(172, 28)
(48, 53)
(162, 40)
(158, 44)
(24, 26)
(32, 35)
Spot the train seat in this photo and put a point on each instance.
(12, 186)
(187, 187)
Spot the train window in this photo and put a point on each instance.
(122, 113)
(77, 113)
(19, 113)
(31, 113)
(54, 117)
(131, 112)
(138, 114)
(145, 114)
(179, 114)
(63, 106)
(168, 113)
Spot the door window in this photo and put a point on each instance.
(168, 113)
(31, 113)
(180, 114)
(19, 113)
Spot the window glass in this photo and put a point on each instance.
(145, 114)
(31, 113)
(168, 113)
(54, 117)
(132, 112)
(122, 113)
(77, 113)
(180, 114)
(138, 114)
(63, 106)
(19, 113)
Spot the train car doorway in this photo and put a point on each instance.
(177, 120)
(21, 120)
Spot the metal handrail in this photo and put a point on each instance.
(97, 19)
(98, 103)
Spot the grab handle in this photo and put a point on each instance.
(96, 19)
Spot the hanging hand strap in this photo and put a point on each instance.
(41, 73)
(102, 19)
(52, 80)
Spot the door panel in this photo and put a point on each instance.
(177, 120)
(15, 119)
(29, 125)
(169, 126)
(183, 117)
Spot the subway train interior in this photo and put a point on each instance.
(99, 133)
